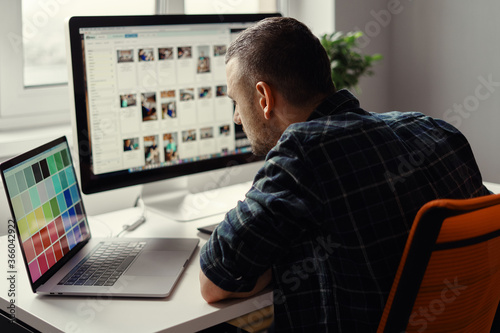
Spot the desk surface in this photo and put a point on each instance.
(183, 311)
(493, 187)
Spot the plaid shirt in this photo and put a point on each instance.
(331, 209)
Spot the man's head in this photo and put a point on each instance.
(284, 53)
(277, 72)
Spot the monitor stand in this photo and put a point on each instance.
(206, 194)
(186, 206)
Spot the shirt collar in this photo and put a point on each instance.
(341, 101)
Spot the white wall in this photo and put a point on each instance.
(368, 17)
(318, 15)
(441, 57)
(444, 53)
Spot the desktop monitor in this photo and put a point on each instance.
(149, 97)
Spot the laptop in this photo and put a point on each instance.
(59, 252)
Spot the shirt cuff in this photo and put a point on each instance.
(213, 268)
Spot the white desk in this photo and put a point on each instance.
(184, 311)
(493, 187)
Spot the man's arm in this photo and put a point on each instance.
(212, 293)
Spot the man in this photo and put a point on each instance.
(328, 215)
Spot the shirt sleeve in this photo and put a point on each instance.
(281, 205)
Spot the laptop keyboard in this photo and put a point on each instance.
(105, 265)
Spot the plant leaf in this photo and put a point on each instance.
(347, 65)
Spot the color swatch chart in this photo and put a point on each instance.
(47, 207)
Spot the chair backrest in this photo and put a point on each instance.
(448, 279)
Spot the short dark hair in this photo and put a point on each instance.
(285, 54)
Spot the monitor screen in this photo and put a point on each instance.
(150, 97)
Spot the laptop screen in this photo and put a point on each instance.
(45, 200)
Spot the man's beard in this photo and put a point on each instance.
(262, 143)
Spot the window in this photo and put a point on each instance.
(33, 89)
(43, 33)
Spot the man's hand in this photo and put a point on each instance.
(212, 293)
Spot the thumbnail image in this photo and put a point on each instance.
(127, 100)
(125, 55)
(146, 55)
(151, 150)
(221, 91)
(220, 50)
(186, 94)
(184, 52)
(205, 92)
(203, 65)
(167, 94)
(130, 144)
(224, 130)
(206, 133)
(165, 53)
(168, 110)
(148, 103)
(189, 135)
(170, 144)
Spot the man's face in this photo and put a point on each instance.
(248, 112)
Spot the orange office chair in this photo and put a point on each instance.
(448, 279)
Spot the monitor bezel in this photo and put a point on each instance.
(91, 183)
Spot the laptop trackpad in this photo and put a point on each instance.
(157, 263)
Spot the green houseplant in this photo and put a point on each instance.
(347, 64)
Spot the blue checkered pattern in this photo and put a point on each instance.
(331, 209)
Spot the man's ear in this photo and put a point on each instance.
(266, 98)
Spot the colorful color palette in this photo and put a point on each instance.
(47, 207)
